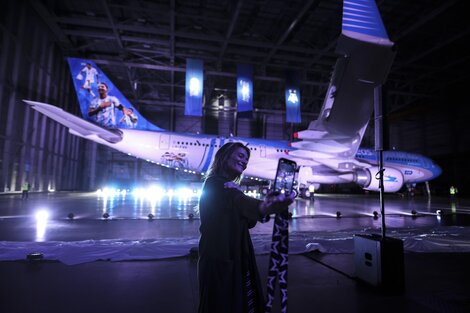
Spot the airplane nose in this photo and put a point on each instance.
(436, 170)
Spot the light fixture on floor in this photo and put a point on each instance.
(70, 216)
(376, 215)
(106, 215)
(338, 214)
(150, 216)
(35, 256)
(439, 212)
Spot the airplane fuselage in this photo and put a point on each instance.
(194, 152)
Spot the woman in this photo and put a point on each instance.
(227, 270)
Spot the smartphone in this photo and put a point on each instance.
(285, 174)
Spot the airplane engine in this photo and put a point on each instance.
(368, 178)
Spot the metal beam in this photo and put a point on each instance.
(417, 24)
(49, 19)
(292, 25)
(228, 34)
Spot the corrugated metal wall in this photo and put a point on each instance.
(32, 147)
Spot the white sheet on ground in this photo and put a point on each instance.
(442, 239)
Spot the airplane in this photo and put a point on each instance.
(327, 152)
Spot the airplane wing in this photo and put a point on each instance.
(77, 126)
(365, 55)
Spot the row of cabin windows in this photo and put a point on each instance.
(195, 144)
(282, 150)
(203, 144)
(393, 159)
(401, 159)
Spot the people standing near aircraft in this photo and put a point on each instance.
(311, 189)
(129, 118)
(227, 270)
(453, 191)
(104, 107)
(25, 190)
(91, 77)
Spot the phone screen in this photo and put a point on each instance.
(285, 174)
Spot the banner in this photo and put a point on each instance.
(194, 87)
(245, 88)
(292, 98)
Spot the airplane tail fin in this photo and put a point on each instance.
(365, 57)
(111, 109)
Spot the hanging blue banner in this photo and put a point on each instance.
(245, 88)
(292, 98)
(194, 87)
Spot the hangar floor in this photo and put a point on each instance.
(128, 263)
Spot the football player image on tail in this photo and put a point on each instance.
(89, 75)
(104, 107)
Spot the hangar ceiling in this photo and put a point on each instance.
(143, 45)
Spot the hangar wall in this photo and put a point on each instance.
(32, 147)
(438, 129)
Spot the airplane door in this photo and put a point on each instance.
(164, 141)
(262, 151)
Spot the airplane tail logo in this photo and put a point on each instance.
(101, 102)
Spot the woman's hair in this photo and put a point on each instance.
(219, 164)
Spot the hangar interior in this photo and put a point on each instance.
(143, 45)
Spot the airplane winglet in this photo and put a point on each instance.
(76, 125)
(362, 21)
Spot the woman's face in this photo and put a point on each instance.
(237, 162)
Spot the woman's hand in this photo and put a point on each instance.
(276, 203)
(231, 184)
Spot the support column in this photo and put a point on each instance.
(10, 155)
(92, 173)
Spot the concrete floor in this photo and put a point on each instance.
(436, 279)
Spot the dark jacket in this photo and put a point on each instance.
(225, 248)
